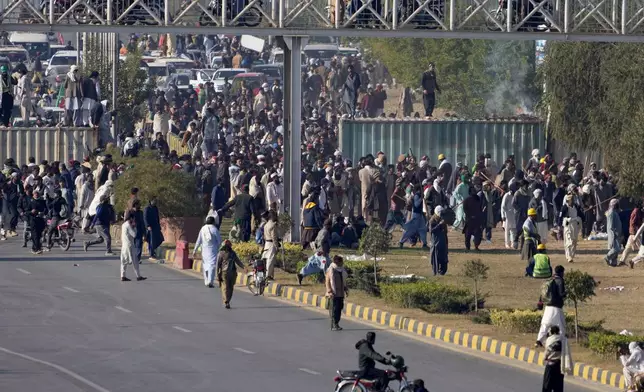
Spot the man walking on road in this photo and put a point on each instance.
(105, 216)
(129, 249)
(227, 263)
(209, 241)
(336, 289)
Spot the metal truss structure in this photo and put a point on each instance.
(590, 20)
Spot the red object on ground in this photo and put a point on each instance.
(181, 259)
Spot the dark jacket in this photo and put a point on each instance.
(313, 217)
(428, 82)
(218, 197)
(367, 356)
(89, 89)
(557, 292)
(244, 206)
(104, 215)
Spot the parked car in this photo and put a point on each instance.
(181, 80)
(201, 76)
(16, 54)
(272, 71)
(223, 73)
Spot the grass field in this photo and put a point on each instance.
(507, 287)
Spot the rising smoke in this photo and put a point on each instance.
(511, 67)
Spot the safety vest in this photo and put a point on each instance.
(542, 268)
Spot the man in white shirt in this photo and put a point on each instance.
(274, 193)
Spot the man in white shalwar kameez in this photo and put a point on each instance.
(640, 252)
(633, 364)
(570, 215)
(553, 314)
(209, 241)
(129, 250)
(508, 218)
(274, 194)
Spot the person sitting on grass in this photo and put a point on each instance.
(539, 266)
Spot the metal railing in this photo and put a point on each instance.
(323, 17)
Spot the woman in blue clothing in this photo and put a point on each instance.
(416, 225)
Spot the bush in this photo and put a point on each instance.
(361, 277)
(482, 317)
(175, 191)
(529, 321)
(518, 320)
(433, 297)
(293, 254)
(606, 343)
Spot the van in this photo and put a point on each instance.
(277, 57)
(321, 52)
(37, 44)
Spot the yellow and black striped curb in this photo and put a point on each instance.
(464, 339)
(395, 321)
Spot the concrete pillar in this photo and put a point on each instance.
(292, 128)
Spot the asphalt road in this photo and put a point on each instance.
(66, 328)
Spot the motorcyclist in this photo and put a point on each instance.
(58, 210)
(36, 221)
(367, 358)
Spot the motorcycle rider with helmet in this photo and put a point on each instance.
(367, 358)
(58, 210)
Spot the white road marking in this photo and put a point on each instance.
(61, 369)
(182, 329)
(309, 371)
(122, 309)
(241, 350)
(71, 289)
(24, 271)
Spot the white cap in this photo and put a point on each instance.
(273, 175)
(438, 210)
(260, 157)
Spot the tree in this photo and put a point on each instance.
(375, 242)
(175, 191)
(476, 270)
(595, 98)
(476, 77)
(132, 93)
(284, 226)
(580, 287)
(95, 59)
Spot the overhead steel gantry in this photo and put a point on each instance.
(579, 20)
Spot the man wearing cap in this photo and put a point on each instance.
(274, 194)
(6, 98)
(539, 266)
(531, 236)
(539, 204)
(444, 169)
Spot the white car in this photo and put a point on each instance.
(60, 62)
(200, 76)
(219, 78)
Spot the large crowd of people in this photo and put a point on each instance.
(236, 149)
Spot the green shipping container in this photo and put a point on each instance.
(460, 141)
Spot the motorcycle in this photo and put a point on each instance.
(63, 233)
(251, 18)
(350, 381)
(257, 278)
